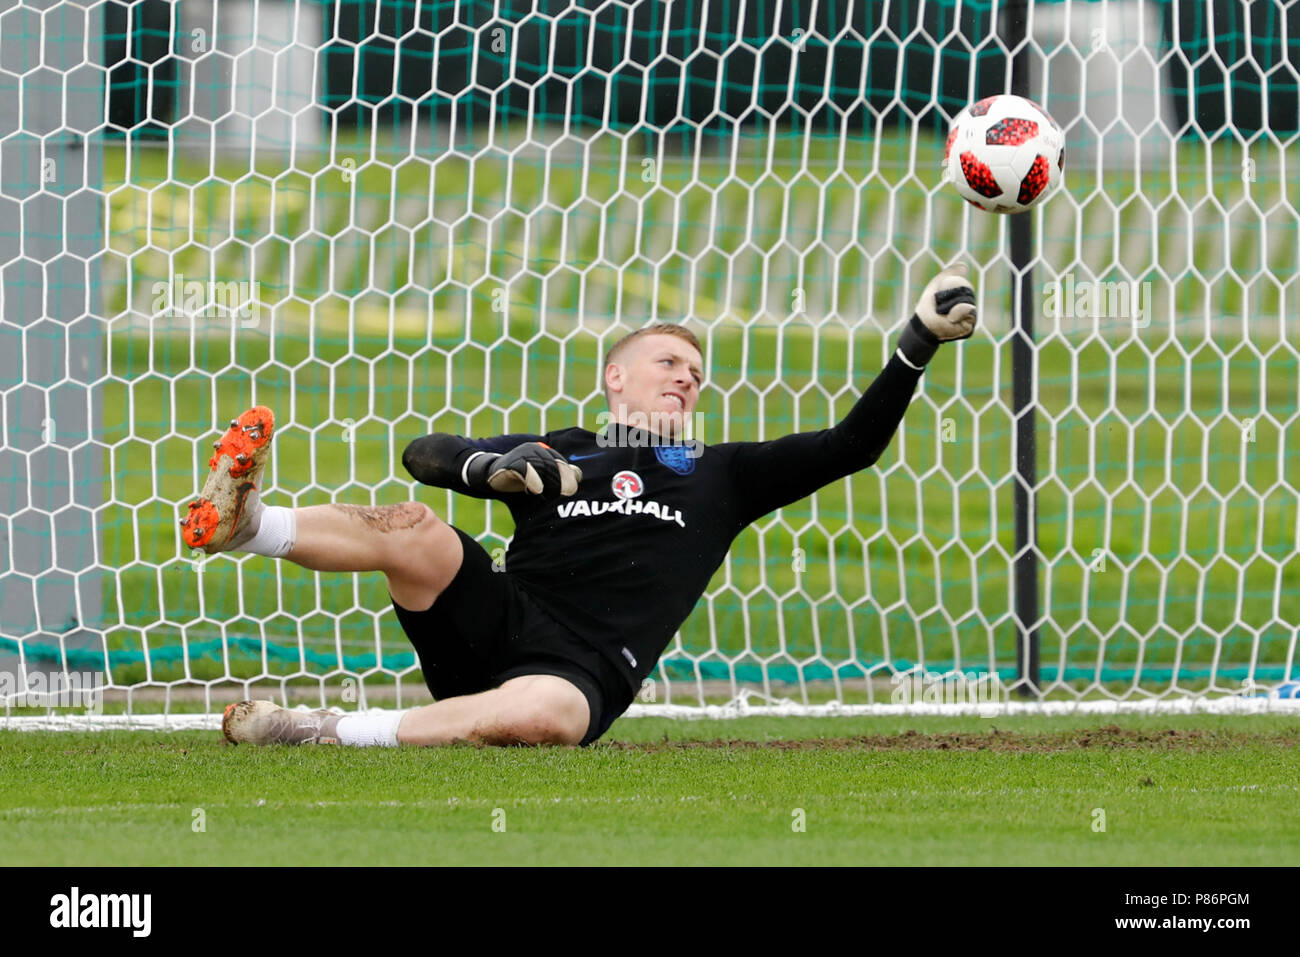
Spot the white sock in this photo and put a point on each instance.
(275, 535)
(369, 730)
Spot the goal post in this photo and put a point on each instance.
(391, 217)
(52, 479)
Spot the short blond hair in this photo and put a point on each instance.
(658, 329)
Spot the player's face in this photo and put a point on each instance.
(657, 385)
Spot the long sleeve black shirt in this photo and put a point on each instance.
(622, 562)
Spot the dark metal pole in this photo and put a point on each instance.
(1014, 27)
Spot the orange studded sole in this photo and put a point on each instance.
(246, 435)
(239, 455)
(201, 524)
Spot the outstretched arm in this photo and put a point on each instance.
(772, 474)
(491, 468)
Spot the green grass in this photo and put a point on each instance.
(1224, 794)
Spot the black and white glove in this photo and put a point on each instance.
(533, 467)
(946, 312)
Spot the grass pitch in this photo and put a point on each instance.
(1196, 790)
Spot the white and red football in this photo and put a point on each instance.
(1005, 154)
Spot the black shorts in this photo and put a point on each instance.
(485, 629)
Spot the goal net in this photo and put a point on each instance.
(392, 217)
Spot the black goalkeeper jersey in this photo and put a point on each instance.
(622, 562)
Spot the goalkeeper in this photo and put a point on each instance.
(617, 535)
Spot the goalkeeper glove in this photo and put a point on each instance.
(946, 312)
(533, 467)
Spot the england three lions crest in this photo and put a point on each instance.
(679, 458)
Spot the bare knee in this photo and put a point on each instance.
(414, 515)
(547, 725)
(542, 709)
(422, 562)
(426, 539)
(532, 709)
(408, 516)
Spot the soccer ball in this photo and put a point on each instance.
(1005, 154)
